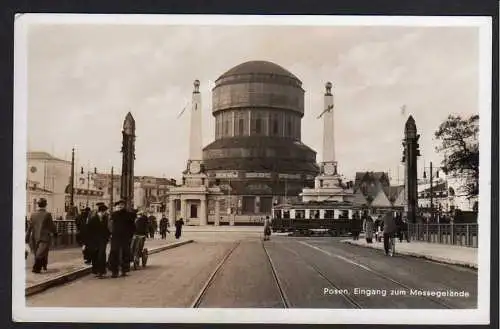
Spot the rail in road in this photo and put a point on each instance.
(211, 279)
(366, 268)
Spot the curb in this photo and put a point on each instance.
(417, 255)
(76, 274)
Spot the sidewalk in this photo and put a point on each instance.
(67, 265)
(443, 253)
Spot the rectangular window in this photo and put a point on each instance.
(258, 126)
(241, 127)
(275, 125)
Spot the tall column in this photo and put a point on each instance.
(128, 158)
(412, 151)
(171, 211)
(183, 209)
(203, 212)
(328, 126)
(195, 137)
(217, 212)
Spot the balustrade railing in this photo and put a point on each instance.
(66, 234)
(454, 234)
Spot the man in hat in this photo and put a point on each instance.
(122, 230)
(81, 224)
(40, 230)
(97, 239)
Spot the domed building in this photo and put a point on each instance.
(257, 153)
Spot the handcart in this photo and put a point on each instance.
(138, 252)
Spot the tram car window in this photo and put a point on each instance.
(329, 214)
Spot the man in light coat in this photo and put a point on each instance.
(41, 227)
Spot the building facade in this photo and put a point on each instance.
(150, 193)
(257, 153)
(47, 175)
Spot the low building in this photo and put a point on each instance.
(47, 174)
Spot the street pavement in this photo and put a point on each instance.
(64, 261)
(238, 269)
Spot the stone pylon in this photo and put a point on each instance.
(411, 152)
(128, 158)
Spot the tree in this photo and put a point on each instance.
(460, 144)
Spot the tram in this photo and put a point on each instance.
(334, 217)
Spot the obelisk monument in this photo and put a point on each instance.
(128, 158)
(411, 152)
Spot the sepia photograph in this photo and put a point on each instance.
(280, 169)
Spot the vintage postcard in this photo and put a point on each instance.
(253, 169)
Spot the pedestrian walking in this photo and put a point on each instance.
(82, 235)
(141, 224)
(368, 226)
(267, 228)
(355, 226)
(164, 227)
(390, 229)
(122, 230)
(97, 240)
(41, 228)
(178, 228)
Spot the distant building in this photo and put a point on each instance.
(447, 196)
(374, 189)
(47, 175)
(86, 192)
(150, 193)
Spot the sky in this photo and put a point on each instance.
(84, 78)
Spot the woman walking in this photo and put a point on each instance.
(368, 226)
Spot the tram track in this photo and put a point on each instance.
(379, 274)
(283, 296)
(349, 299)
(199, 298)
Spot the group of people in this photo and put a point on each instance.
(388, 224)
(95, 229)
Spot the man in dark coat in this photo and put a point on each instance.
(97, 239)
(390, 229)
(164, 227)
(355, 226)
(122, 230)
(178, 228)
(141, 225)
(40, 230)
(81, 224)
(152, 226)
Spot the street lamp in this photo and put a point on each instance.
(89, 172)
(432, 171)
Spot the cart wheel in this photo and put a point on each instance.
(144, 257)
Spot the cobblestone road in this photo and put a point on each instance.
(305, 267)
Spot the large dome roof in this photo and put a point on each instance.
(256, 67)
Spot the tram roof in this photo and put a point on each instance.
(342, 205)
(320, 205)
